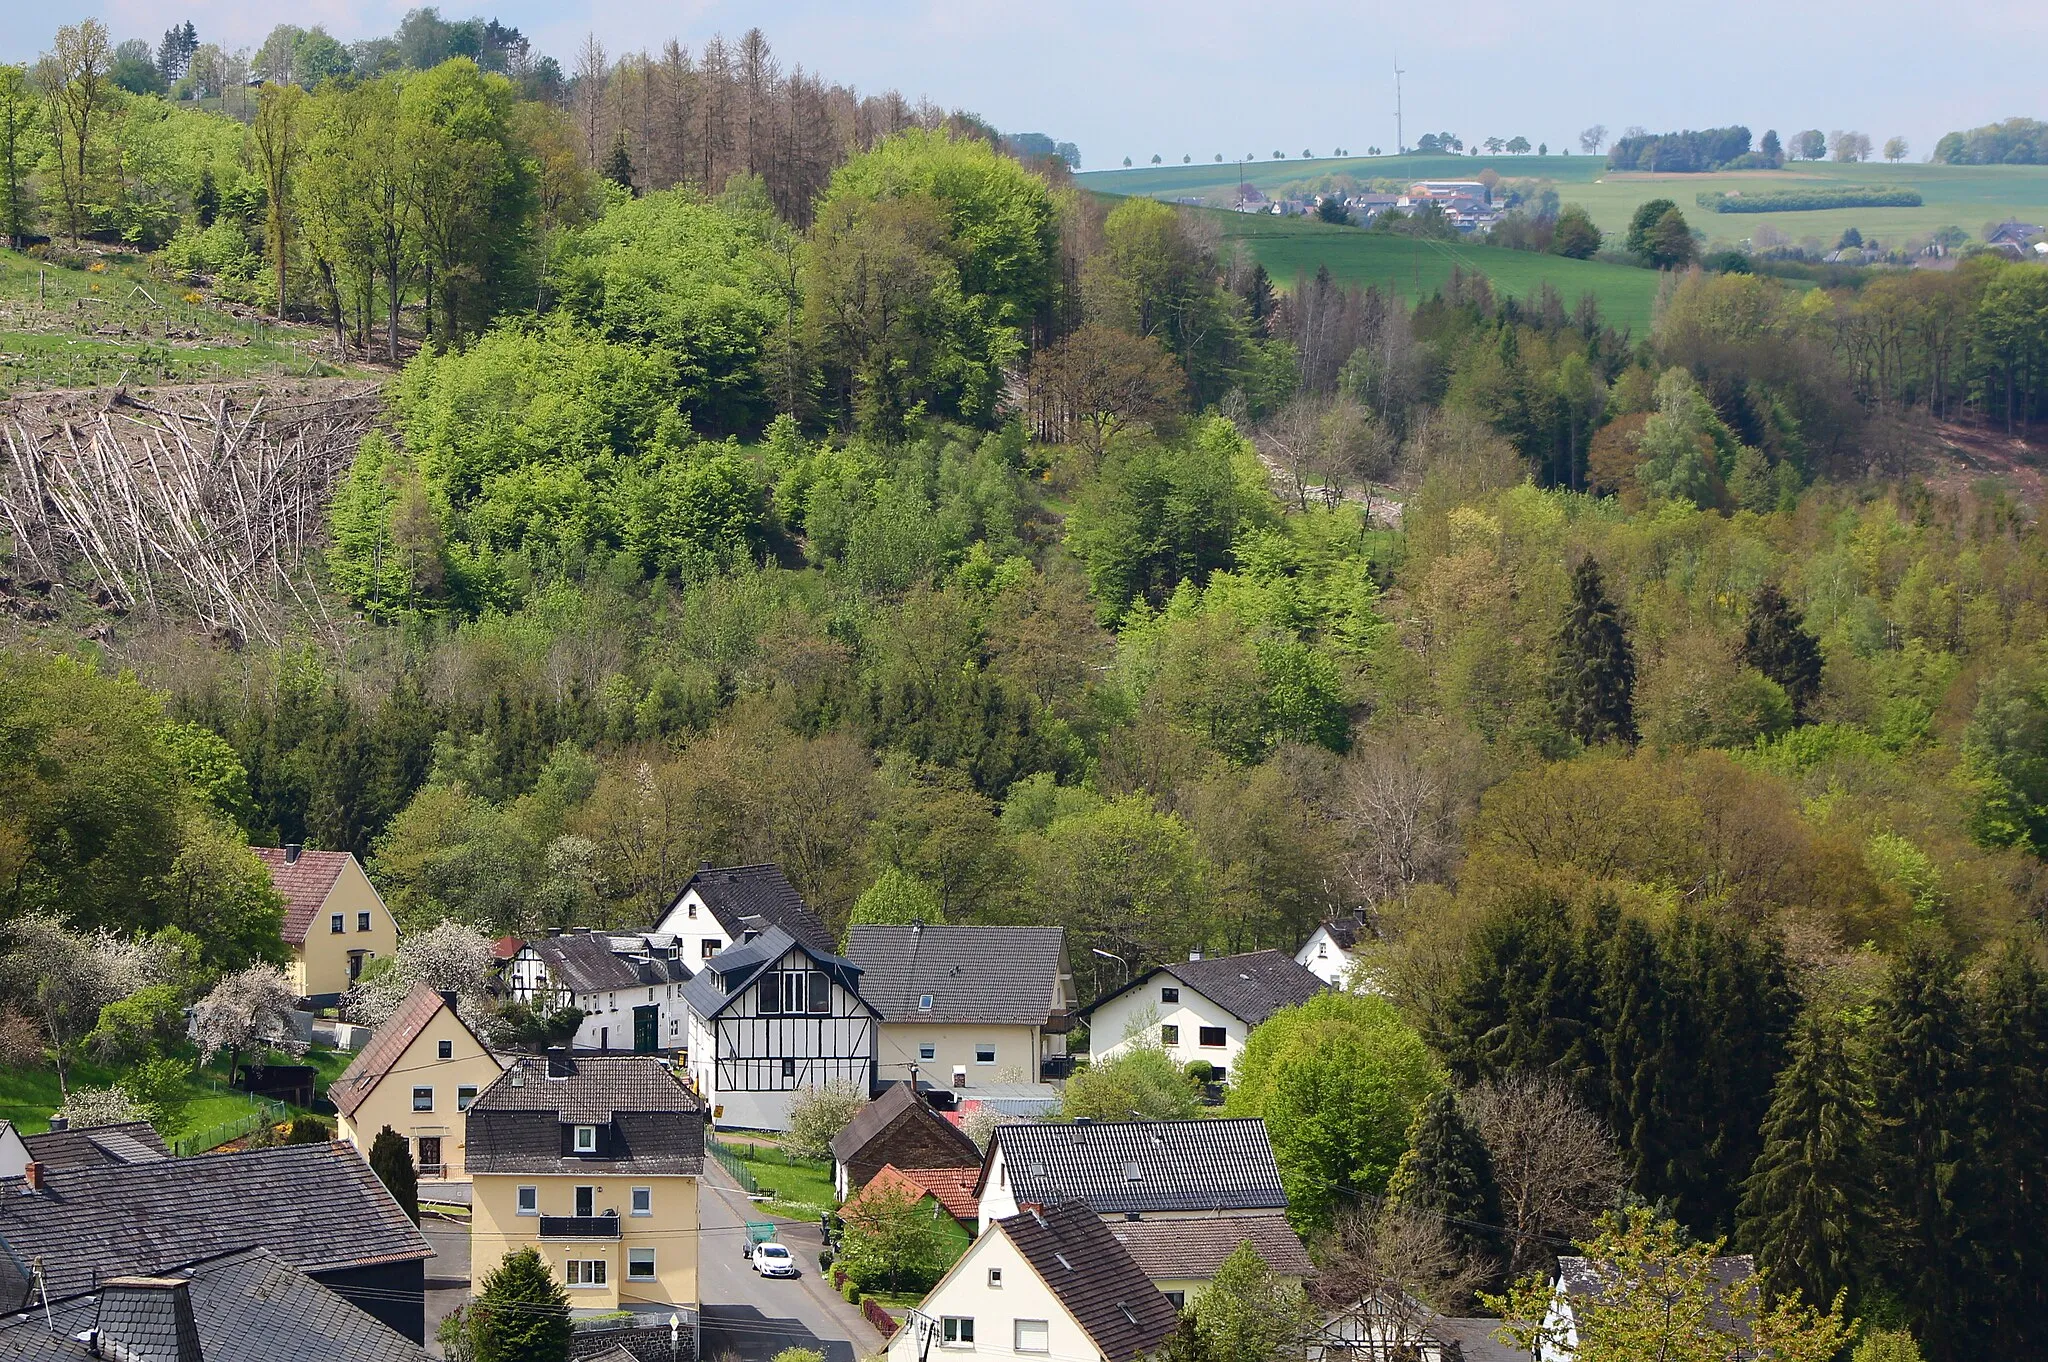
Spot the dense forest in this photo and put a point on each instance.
(773, 474)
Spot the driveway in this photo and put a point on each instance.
(752, 1318)
(447, 1272)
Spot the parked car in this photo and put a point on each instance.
(774, 1260)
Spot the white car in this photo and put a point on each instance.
(774, 1260)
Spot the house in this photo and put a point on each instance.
(87, 1147)
(597, 973)
(1445, 190)
(1332, 949)
(718, 907)
(318, 1207)
(1046, 1282)
(334, 922)
(418, 1075)
(2015, 233)
(1581, 1280)
(1173, 1170)
(1200, 1009)
(1181, 1256)
(594, 1161)
(250, 1305)
(946, 1195)
(772, 1017)
(967, 1005)
(898, 1128)
(1392, 1326)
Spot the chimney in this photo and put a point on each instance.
(32, 1174)
(558, 1062)
(703, 865)
(292, 851)
(147, 1317)
(448, 999)
(58, 1123)
(1194, 955)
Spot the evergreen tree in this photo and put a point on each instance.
(1522, 999)
(1635, 1026)
(1259, 302)
(522, 1314)
(2012, 1154)
(1447, 1172)
(1596, 667)
(391, 1161)
(1776, 643)
(1806, 1206)
(618, 165)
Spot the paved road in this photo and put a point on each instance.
(447, 1272)
(753, 1318)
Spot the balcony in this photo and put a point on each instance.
(1055, 1068)
(579, 1227)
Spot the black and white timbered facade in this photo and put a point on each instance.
(771, 1018)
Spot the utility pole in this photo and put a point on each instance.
(1400, 140)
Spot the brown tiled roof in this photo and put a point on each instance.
(1196, 1248)
(1094, 1278)
(305, 884)
(651, 1123)
(879, 1117)
(93, 1146)
(386, 1048)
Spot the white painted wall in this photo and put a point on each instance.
(1145, 1012)
(690, 921)
(995, 1309)
(1321, 956)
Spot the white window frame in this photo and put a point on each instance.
(924, 1002)
(1044, 1330)
(643, 1201)
(586, 1273)
(429, 1092)
(956, 1331)
(363, 921)
(585, 1140)
(927, 1052)
(526, 1201)
(464, 1096)
(636, 1258)
(980, 1050)
(995, 1279)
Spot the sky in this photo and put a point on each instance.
(1197, 77)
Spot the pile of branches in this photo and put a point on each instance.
(199, 502)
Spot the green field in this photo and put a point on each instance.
(1292, 248)
(1958, 196)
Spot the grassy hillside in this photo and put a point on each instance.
(1960, 196)
(1290, 248)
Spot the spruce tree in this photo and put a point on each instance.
(1596, 667)
(618, 164)
(1448, 1173)
(1806, 1205)
(2012, 1154)
(522, 1313)
(391, 1161)
(1775, 642)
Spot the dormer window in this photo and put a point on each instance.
(924, 1002)
(586, 1139)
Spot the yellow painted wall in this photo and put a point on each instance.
(320, 966)
(896, 1048)
(390, 1102)
(496, 1229)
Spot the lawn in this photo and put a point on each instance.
(802, 1187)
(29, 1095)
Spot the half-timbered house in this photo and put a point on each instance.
(772, 1017)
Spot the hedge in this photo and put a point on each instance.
(1806, 200)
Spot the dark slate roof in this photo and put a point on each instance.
(591, 962)
(387, 1047)
(760, 895)
(656, 1125)
(1475, 1340)
(318, 1206)
(305, 884)
(1094, 1278)
(727, 975)
(127, 1142)
(149, 1317)
(1344, 931)
(248, 1306)
(1005, 976)
(1196, 1248)
(880, 1115)
(1252, 986)
(1224, 1164)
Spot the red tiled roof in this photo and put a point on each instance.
(952, 1188)
(390, 1042)
(505, 947)
(305, 884)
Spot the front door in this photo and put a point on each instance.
(429, 1156)
(355, 965)
(646, 1029)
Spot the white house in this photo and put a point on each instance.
(1199, 1009)
(772, 1017)
(1580, 1280)
(1332, 949)
(1163, 1170)
(720, 906)
(1048, 1283)
(629, 987)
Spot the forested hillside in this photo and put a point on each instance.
(766, 474)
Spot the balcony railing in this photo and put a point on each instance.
(579, 1227)
(1055, 1068)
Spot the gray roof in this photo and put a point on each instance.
(1734, 1274)
(653, 1123)
(591, 962)
(756, 895)
(247, 1306)
(1005, 976)
(1252, 986)
(881, 1115)
(1094, 1278)
(1196, 1248)
(126, 1142)
(727, 975)
(1475, 1340)
(1224, 1164)
(318, 1206)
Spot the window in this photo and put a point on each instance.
(956, 1331)
(529, 1201)
(1169, 995)
(586, 1201)
(422, 1099)
(1169, 1035)
(927, 1051)
(1211, 1036)
(693, 912)
(447, 1050)
(995, 1279)
(1177, 1299)
(984, 1054)
(639, 1265)
(612, 1001)
(1322, 950)
(707, 948)
(924, 1002)
(586, 1139)
(643, 1201)
(793, 992)
(585, 1272)
(334, 924)
(362, 922)
(789, 1068)
(465, 1095)
(821, 993)
(1033, 1336)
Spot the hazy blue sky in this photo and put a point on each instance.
(1134, 77)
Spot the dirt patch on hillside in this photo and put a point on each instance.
(1962, 456)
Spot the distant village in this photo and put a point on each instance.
(1467, 205)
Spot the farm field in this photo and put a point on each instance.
(1292, 248)
(1960, 196)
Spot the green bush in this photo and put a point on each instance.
(1807, 200)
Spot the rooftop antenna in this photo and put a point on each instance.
(1400, 139)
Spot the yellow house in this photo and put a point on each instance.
(419, 1074)
(334, 922)
(593, 1160)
